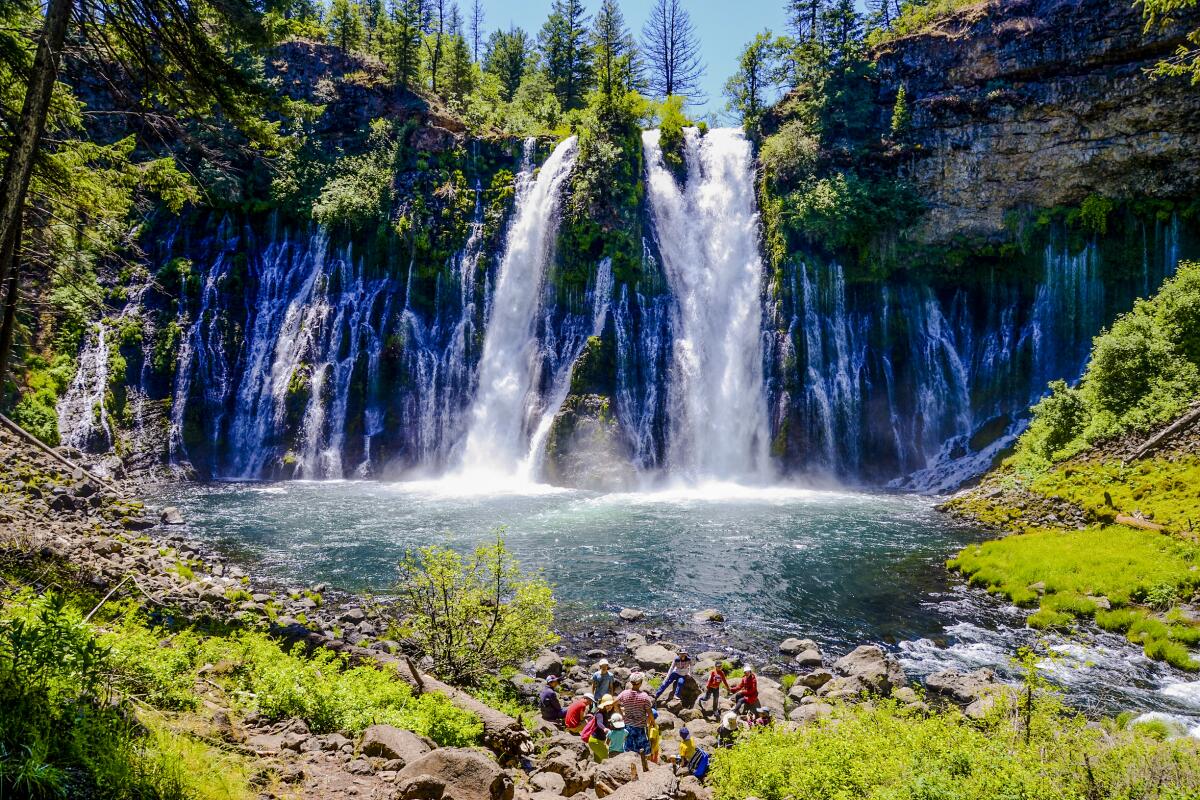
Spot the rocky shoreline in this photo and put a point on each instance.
(55, 512)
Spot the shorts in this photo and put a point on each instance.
(637, 741)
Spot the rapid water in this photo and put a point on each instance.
(707, 232)
(504, 408)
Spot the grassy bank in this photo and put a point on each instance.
(121, 705)
(881, 751)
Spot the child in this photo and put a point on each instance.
(727, 731)
(692, 758)
(595, 732)
(763, 719)
(616, 734)
(655, 735)
(716, 679)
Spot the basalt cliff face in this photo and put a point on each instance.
(1020, 104)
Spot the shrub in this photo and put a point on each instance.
(790, 154)
(474, 615)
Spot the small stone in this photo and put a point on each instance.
(359, 766)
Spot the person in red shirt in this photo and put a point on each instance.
(716, 679)
(577, 713)
(745, 692)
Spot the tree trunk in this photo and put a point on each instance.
(28, 133)
(9, 324)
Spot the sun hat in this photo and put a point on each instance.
(685, 734)
(748, 668)
(617, 721)
(602, 662)
(636, 677)
(590, 696)
(551, 679)
(729, 719)
(764, 710)
(606, 701)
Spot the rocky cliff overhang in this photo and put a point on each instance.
(1020, 104)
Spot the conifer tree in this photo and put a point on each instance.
(435, 39)
(477, 17)
(748, 91)
(403, 41)
(671, 50)
(508, 56)
(460, 72)
(615, 56)
(346, 29)
(566, 57)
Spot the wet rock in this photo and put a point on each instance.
(793, 646)
(631, 614)
(171, 516)
(708, 616)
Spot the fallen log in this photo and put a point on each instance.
(1138, 522)
(1166, 434)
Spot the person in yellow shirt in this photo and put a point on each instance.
(655, 735)
(687, 748)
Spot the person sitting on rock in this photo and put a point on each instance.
(617, 734)
(691, 759)
(595, 730)
(577, 713)
(762, 717)
(551, 708)
(636, 706)
(727, 730)
(712, 689)
(603, 681)
(745, 691)
(677, 675)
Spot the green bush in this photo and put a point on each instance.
(476, 615)
(883, 752)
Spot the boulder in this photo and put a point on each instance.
(386, 741)
(265, 743)
(547, 664)
(171, 516)
(616, 771)
(852, 687)
(525, 685)
(708, 616)
(810, 712)
(653, 656)
(462, 774)
(880, 671)
(631, 614)
(692, 789)
(432, 139)
(963, 687)
(815, 679)
(690, 692)
(809, 658)
(792, 646)
(548, 782)
(621, 778)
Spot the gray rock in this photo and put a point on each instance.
(877, 669)
(653, 656)
(171, 516)
(548, 782)
(360, 766)
(809, 658)
(387, 741)
(791, 646)
(631, 614)
(708, 616)
(547, 664)
(815, 679)
(810, 712)
(463, 774)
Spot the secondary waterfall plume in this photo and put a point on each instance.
(501, 416)
(707, 232)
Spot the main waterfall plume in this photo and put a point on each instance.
(707, 233)
(501, 415)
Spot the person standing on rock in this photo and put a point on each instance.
(712, 689)
(745, 691)
(595, 732)
(677, 675)
(551, 708)
(603, 681)
(576, 713)
(636, 706)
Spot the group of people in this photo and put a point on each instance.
(611, 722)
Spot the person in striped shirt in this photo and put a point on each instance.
(635, 707)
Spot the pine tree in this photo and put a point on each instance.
(435, 39)
(460, 71)
(804, 19)
(476, 28)
(842, 31)
(615, 56)
(508, 56)
(403, 42)
(374, 19)
(565, 54)
(345, 25)
(901, 115)
(672, 52)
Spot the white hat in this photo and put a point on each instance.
(636, 677)
(602, 663)
(617, 721)
(729, 719)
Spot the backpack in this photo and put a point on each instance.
(699, 764)
(589, 729)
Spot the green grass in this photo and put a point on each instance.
(882, 752)
(1126, 565)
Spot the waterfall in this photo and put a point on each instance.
(707, 233)
(82, 421)
(497, 440)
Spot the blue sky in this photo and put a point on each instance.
(723, 28)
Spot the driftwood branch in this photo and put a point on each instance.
(1159, 439)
